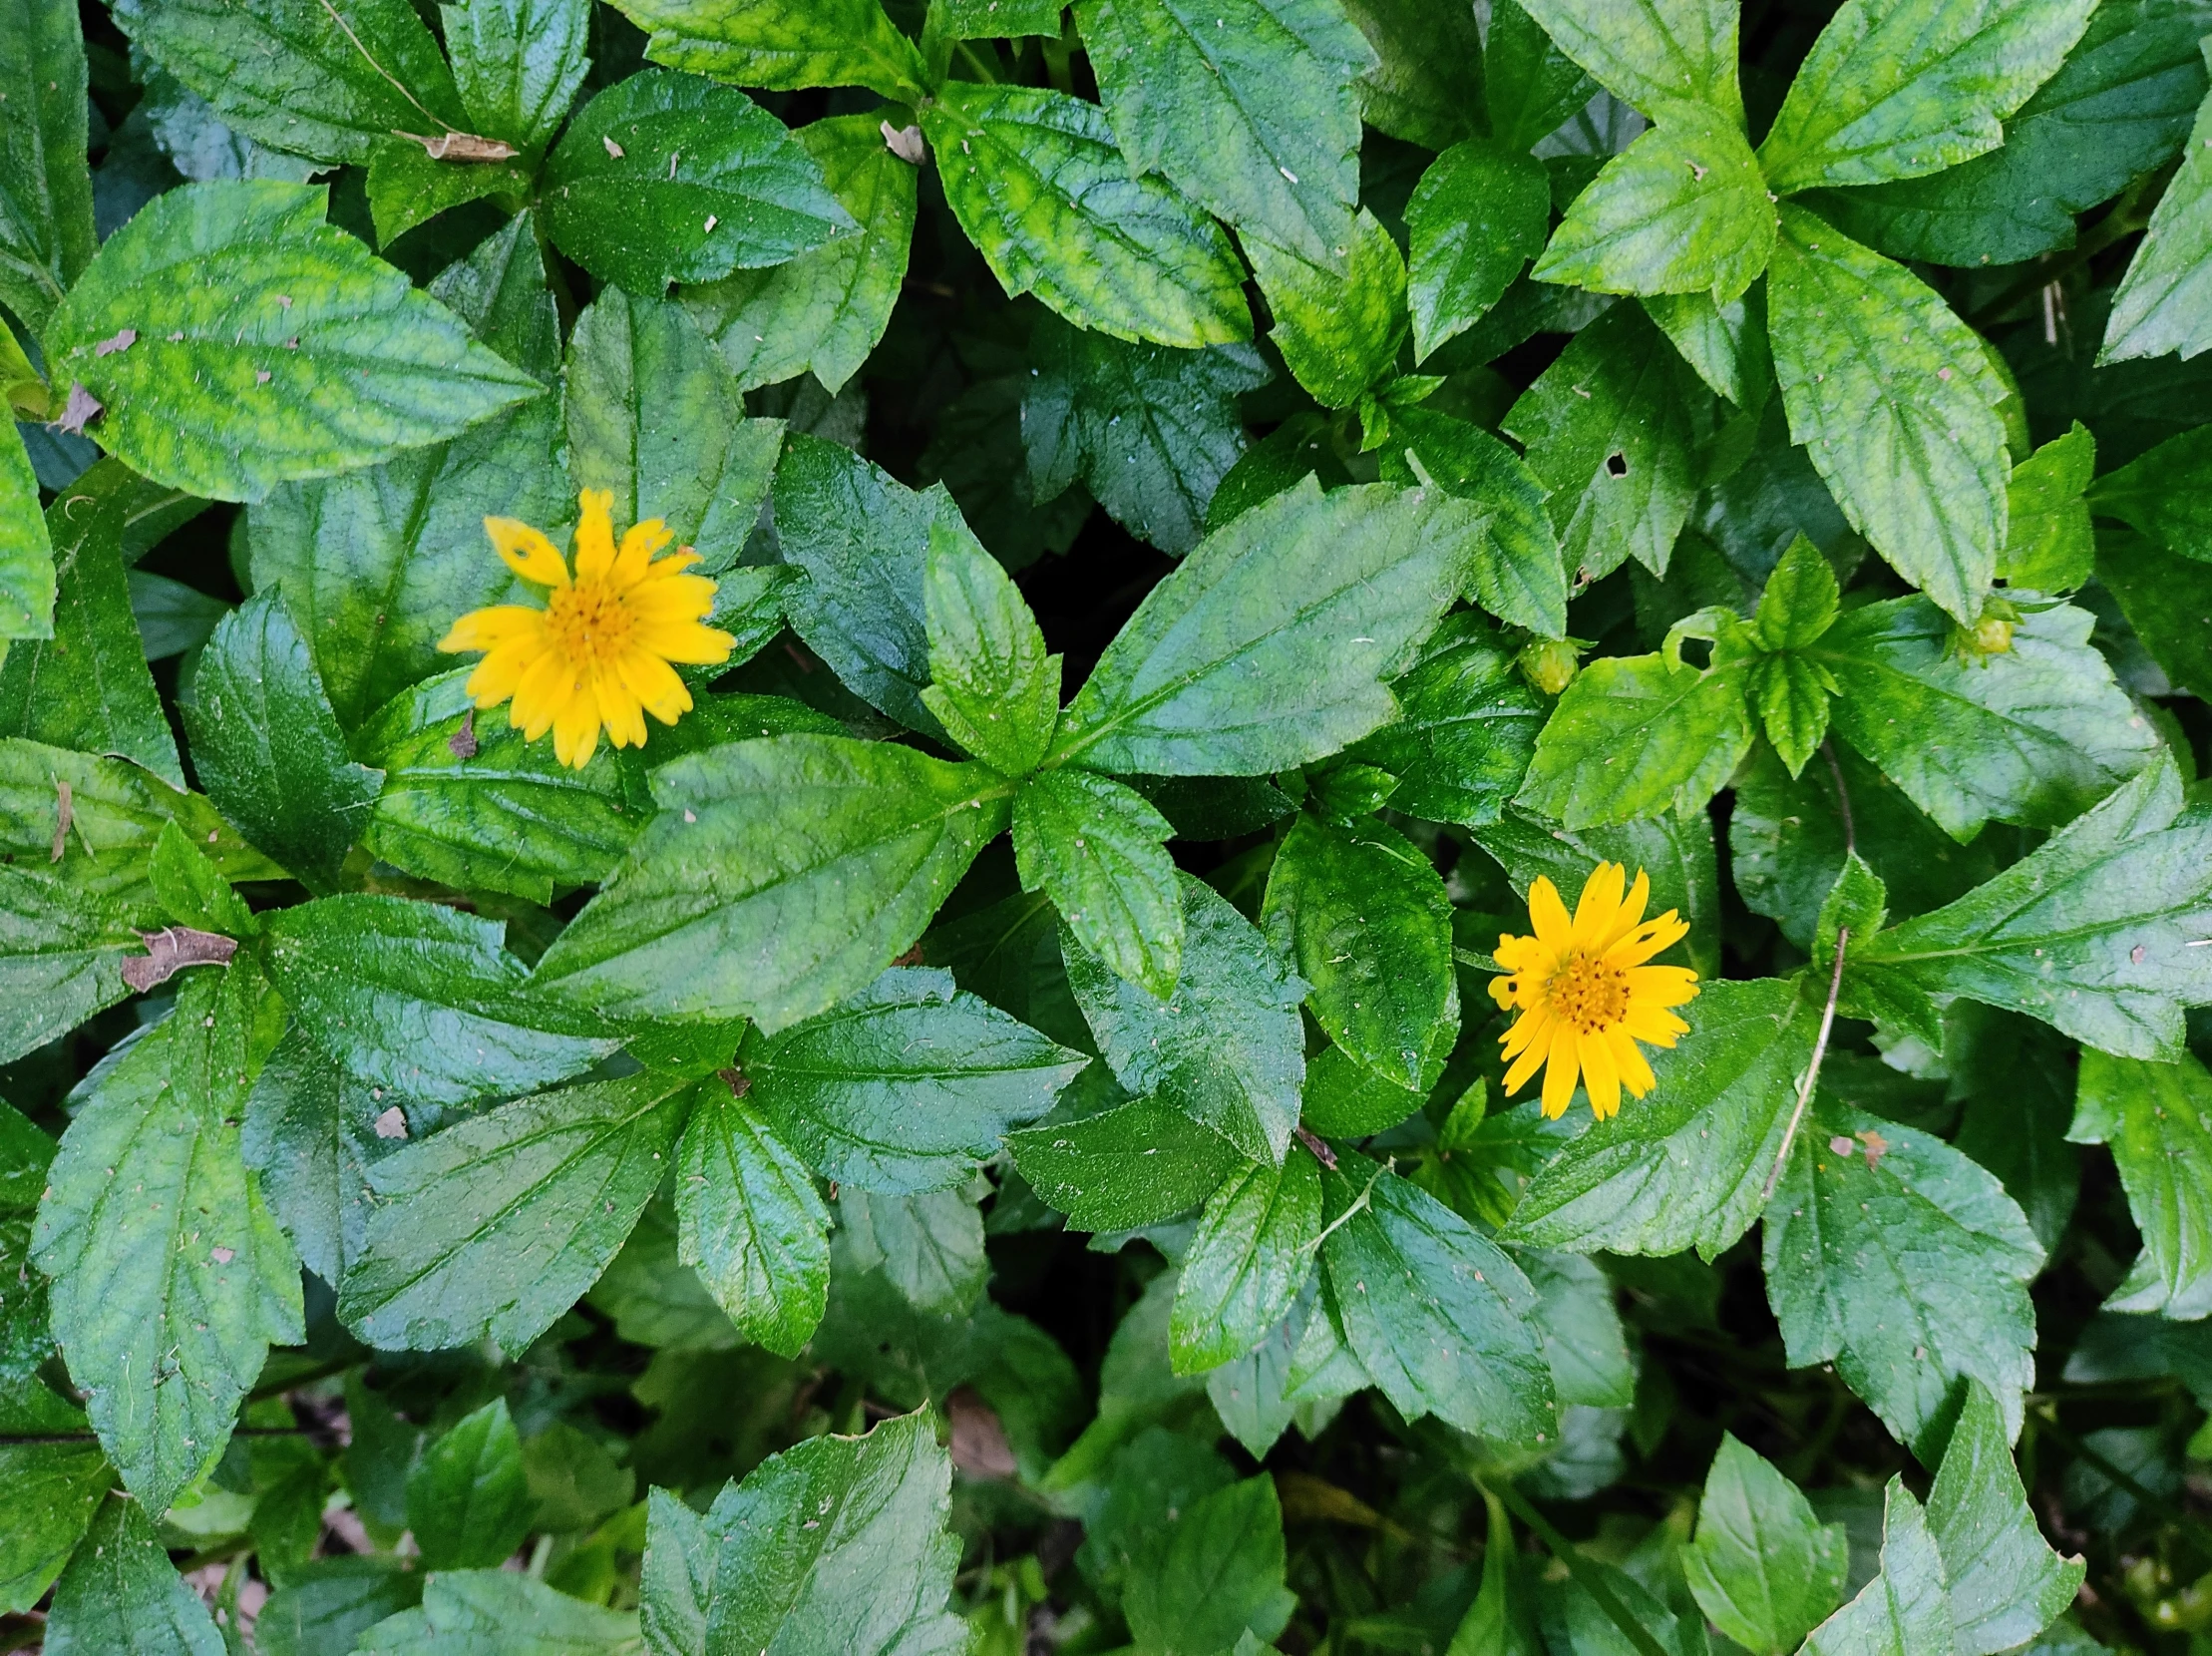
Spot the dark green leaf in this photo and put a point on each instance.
(518, 62)
(1635, 735)
(2167, 601)
(325, 1606)
(492, 1228)
(1252, 1253)
(468, 1498)
(1257, 118)
(1518, 576)
(1214, 1578)
(751, 1222)
(407, 186)
(49, 1492)
(2157, 1119)
(1466, 731)
(1724, 344)
(1583, 1338)
(1529, 84)
(1427, 87)
(172, 618)
(2005, 1583)
(1226, 1047)
(929, 1247)
(1223, 668)
(122, 1593)
(992, 687)
(2158, 307)
(1501, 1621)
(1337, 327)
(1123, 1168)
(45, 189)
(500, 1613)
(1902, 1611)
(2161, 493)
(667, 177)
(828, 859)
(824, 310)
(783, 44)
(1478, 215)
(1762, 1568)
(1676, 852)
(1035, 179)
(61, 953)
(320, 360)
(1651, 54)
(1098, 850)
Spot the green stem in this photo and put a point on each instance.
(1585, 1576)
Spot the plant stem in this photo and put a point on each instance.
(1812, 1069)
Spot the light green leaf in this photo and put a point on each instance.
(1466, 729)
(1123, 1168)
(468, 1498)
(824, 310)
(1610, 428)
(1894, 398)
(782, 45)
(873, 1573)
(1724, 344)
(2157, 1119)
(1688, 1166)
(500, 1613)
(1684, 210)
(492, 1228)
(61, 953)
(86, 684)
(1798, 603)
(1902, 1611)
(1037, 182)
(1098, 850)
(1634, 735)
(1439, 1314)
(340, 363)
(829, 858)
(1518, 576)
(122, 1593)
(1363, 916)
(171, 1281)
(1762, 1568)
(2160, 304)
(751, 1222)
(26, 547)
(407, 186)
(423, 1000)
(1337, 329)
(1252, 1253)
(930, 1247)
(1214, 1578)
(1251, 107)
(1790, 695)
(1150, 430)
(2005, 1583)
(2033, 734)
(667, 177)
(1650, 55)
(992, 687)
(1478, 215)
(517, 63)
(1906, 90)
(1223, 668)
(308, 1131)
(1226, 1047)
(45, 228)
(49, 1492)
(904, 1085)
(1906, 1275)
(996, 19)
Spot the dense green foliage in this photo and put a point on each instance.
(989, 1133)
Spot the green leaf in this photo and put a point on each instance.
(340, 363)
(268, 749)
(992, 687)
(300, 76)
(492, 1228)
(1610, 429)
(468, 1498)
(49, 1492)
(1762, 1568)
(668, 177)
(61, 953)
(1583, 1338)
(873, 1573)
(1724, 344)
(1226, 1047)
(2048, 545)
(1901, 90)
(1518, 576)
(751, 1222)
(472, 805)
(1501, 1621)
(1427, 87)
(1684, 210)
(1906, 1275)
(1634, 735)
(1894, 398)
(518, 62)
(930, 1247)
(1688, 1166)
(1252, 1253)
(2168, 602)
(1438, 1314)
(904, 1085)
(423, 1000)
(172, 618)
(1679, 853)
(653, 417)
(1098, 850)
(2159, 302)
(1529, 84)
(1251, 107)
(44, 187)
(2158, 493)
(171, 1281)
(1466, 731)
(782, 45)
(120, 1592)
(824, 310)
(86, 686)
(829, 857)
(2032, 735)
(407, 186)
(1037, 182)
(1337, 329)
(2157, 1119)
(1123, 1168)
(1271, 645)
(2005, 1583)
(1476, 219)
(1651, 54)
(995, 19)
(26, 548)
(1902, 1611)
(1363, 916)
(1214, 1578)
(1150, 430)
(500, 1613)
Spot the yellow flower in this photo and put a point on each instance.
(598, 653)
(1584, 993)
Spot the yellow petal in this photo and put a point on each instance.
(639, 542)
(1630, 912)
(490, 629)
(1655, 938)
(688, 641)
(1661, 986)
(1636, 1074)
(498, 673)
(1549, 915)
(654, 684)
(1502, 990)
(1562, 1069)
(681, 598)
(1600, 1078)
(577, 731)
(527, 552)
(1599, 902)
(1528, 1063)
(619, 712)
(594, 534)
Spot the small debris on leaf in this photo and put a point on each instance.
(120, 341)
(613, 149)
(462, 744)
(170, 950)
(80, 411)
(392, 1123)
(463, 146)
(65, 812)
(904, 143)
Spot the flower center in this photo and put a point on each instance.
(1588, 993)
(588, 621)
